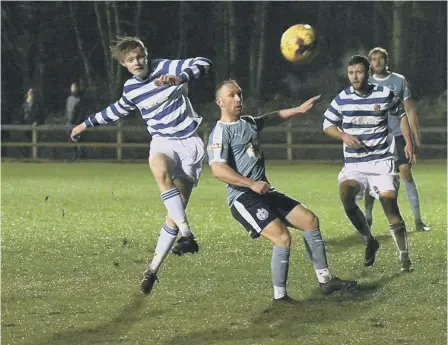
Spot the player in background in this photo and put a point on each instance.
(158, 89)
(379, 59)
(236, 158)
(358, 116)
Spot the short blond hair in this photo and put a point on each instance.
(124, 45)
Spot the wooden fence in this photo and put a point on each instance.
(118, 144)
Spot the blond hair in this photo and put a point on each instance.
(124, 45)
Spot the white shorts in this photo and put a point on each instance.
(188, 155)
(376, 177)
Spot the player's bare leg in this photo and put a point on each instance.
(161, 168)
(277, 232)
(397, 227)
(303, 219)
(412, 194)
(348, 190)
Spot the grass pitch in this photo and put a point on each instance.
(68, 278)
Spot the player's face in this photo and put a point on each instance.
(357, 75)
(378, 63)
(136, 63)
(230, 99)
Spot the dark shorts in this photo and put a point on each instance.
(254, 212)
(400, 143)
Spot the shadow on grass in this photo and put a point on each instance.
(340, 244)
(288, 322)
(115, 329)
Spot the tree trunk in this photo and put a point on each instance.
(261, 47)
(80, 43)
(254, 50)
(396, 36)
(119, 69)
(138, 13)
(232, 37)
(181, 47)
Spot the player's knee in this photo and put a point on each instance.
(311, 222)
(284, 239)
(347, 194)
(405, 173)
(388, 196)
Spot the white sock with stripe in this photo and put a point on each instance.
(165, 242)
(175, 207)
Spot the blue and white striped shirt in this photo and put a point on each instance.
(365, 117)
(166, 109)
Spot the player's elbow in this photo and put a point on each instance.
(217, 170)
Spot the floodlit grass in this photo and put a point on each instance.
(68, 279)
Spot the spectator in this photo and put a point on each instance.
(30, 113)
(74, 114)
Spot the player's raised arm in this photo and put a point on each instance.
(279, 116)
(112, 113)
(176, 72)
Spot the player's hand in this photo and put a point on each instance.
(168, 79)
(303, 108)
(409, 153)
(260, 187)
(351, 141)
(77, 131)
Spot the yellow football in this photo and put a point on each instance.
(298, 43)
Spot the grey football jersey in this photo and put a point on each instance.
(237, 144)
(398, 84)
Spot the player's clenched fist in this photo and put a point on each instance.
(168, 79)
(260, 187)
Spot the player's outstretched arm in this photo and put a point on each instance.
(279, 116)
(112, 113)
(223, 172)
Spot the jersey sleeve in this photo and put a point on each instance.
(186, 69)
(113, 112)
(258, 121)
(406, 90)
(218, 146)
(396, 106)
(333, 115)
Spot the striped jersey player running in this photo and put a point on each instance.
(158, 89)
(358, 116)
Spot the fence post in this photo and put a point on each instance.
(34, 141)
(119, 141)
(289, 141)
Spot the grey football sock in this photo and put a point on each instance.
(359, 222)
(412, 193)
(280, 266)
(316, 248)
(400, 236)
(368, 203)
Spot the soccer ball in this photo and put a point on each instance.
(298, 43)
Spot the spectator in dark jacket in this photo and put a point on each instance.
(30, 113)
(74, 113)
